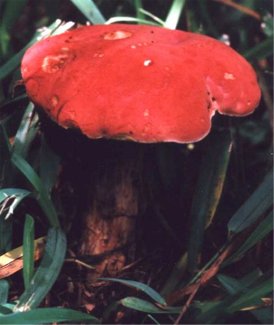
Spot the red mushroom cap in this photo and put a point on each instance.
(144, 83)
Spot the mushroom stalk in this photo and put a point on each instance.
(112, 206)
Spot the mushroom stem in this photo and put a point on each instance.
(112, 205)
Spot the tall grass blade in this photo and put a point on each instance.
(253, 208)
(154, 320)
(139, 5)
(47, 272)
(176, 275)
(231, 285)
(5, 175)
(251, 296)
(208, 192)
(146, 306)
(41, 193)
(14, 61)
(260, 51)
(48, 315)
(208, 24)
(4, 291)
(140, 286)
(118, 19)
(4, 155)
(28, 251)
(153, 17)
(235, 302)
(262, 230)
(89, 9)
(9, 18)
(26, 132)
(234, 286)
(4, 311)
(174, 14)
(5, 235)
(48, 165)
(10, 198)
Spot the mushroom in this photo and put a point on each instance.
(133, 82)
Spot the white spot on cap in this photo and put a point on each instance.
(229, 76)
(54, 101)
(118, 34)
(53, 63)
(98, 55)
(147, 62)
(133, 46)
(146, 113)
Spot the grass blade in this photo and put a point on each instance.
(4, 311)
(10, 198)
(49, 163)
(234, 286)
(263, 229)
(4, 291)
(251, 277)
(47, 272)
(140, 286)
(154, 320)
(208, 192)
(28, 251)
(154, 18)
(10, 16)
(5, 235)
(90, 11)
(176, 275)
(11, 13)
(12, 63)
(235, 302)
(231, 285)
(264, 315)
(146, 306)
(138, 6)
(15, 60)
(207, 23)
(174, 14)
(260, 51)
(253, 208)
(42, 195)
(48, 315)
(4, 155)
(26, 132)
(118, 19)
(252, 296)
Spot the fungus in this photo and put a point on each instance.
(140, 83)
(104, 83)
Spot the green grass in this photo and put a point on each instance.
(220, 271)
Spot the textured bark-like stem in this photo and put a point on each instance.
(113, 205)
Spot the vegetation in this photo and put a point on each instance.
(205, 249)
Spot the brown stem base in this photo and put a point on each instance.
(113, 205)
